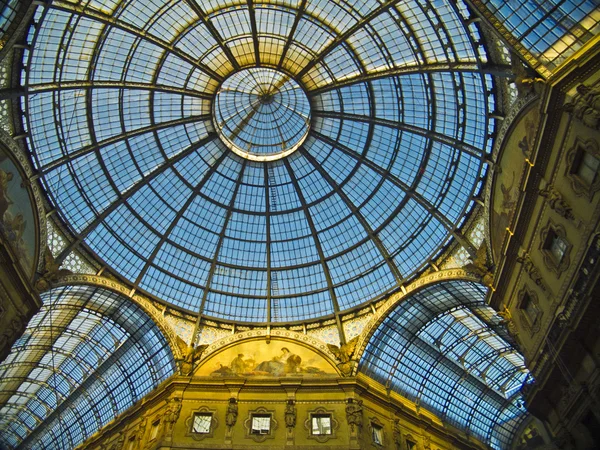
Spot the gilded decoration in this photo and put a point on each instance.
(574, 156)
(518, 148)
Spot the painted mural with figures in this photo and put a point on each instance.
(16, 213)
(278, 358)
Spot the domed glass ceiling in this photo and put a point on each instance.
(259, 161)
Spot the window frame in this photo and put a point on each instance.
(261, 412)
(526, 297)
(575, 156)
(548, 235)
(202, 411)
(321, 412)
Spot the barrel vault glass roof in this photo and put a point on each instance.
(446, 350)
(85, 357)
(119, 111)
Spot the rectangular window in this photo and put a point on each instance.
(377, 434)
(202, 423)
(261, 424)
(556, 245)
(154, 430)
(321, 424)
(530, 308)
(587, 167)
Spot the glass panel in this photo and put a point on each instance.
(202, 423)
(261, 424)
(321, 425)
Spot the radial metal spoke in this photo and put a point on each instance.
(132, 190)
(93, 14)
(118, 138)
(424, 132)
(411, 70)
(346, 34)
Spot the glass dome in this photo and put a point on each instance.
(260, 161)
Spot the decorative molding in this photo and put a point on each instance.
(321, 438)
(189, 423)
(558, 267)
(573, 155)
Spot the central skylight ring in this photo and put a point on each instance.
(261, 114)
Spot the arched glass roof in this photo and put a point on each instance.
(119, 108)
(86, 356)
(445, 349)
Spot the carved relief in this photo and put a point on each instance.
(192, 355)
(556, 202)
(343, 355)
(530, 269)
(232, 413)
(171, 413)
(354, 413)
(585, 106)
(481, 267)
(397, 435)
(51, 272)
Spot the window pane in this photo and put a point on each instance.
(321, 425)
(261, 424)
(202, 423)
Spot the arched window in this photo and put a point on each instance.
(446, 350)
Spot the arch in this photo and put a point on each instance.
(85, 357)
(431, 349)
(176, 343)
(384, 309)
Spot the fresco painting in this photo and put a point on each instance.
(16, 213)
(257, 358)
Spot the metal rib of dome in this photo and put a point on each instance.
(119, 110)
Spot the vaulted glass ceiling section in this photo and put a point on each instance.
(119, 111)
(551, 29)
(446, 350)
(85, 357)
